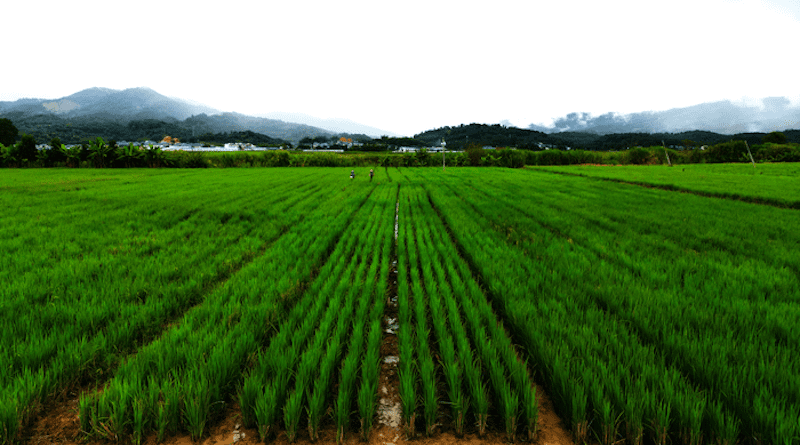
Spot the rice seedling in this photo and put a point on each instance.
(634, 426)
(139, 421)
(430, 399)
(266, 410)
(408, 395)
(291, 413)
(367, 404)
(196, 405)
(368, 392)
(530, 409)
(247, 400)
(661, 422)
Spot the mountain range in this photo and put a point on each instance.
(723, 117)
(138, 113)
(105, 106)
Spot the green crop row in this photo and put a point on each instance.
(91, 273)
(185, 378)
(776, 184)
(722, 371)
(472, 346)
(649, 316)
(298, 370)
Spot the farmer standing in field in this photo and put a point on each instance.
(352, 174)
(371, 174)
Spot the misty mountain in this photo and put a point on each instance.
(136, 113)
(333, 125)
(105, 103)
(724, 117)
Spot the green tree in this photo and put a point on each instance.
(475, 154)
(154, 156)
(130, 155)
(776, 137)
(27, 149)
(56, 154)
(8, 132)
(99, 153)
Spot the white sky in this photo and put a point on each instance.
(409, 66)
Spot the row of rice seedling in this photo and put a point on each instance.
(184, 380)
(450, 293)
(91, 273)
(773, 183)
(299, 367)
(737, 340)
(604, 381)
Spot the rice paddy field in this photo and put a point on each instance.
(149, 306)
(770, 183)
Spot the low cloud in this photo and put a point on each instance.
(725, 117)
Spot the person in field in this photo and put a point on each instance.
(352, 174)
(371, 174)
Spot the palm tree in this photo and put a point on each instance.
(130, 155)
(154, 156)
(99, 152)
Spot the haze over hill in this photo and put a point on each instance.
(336, 125)
(725, 117)
(138, 104)
(103, 111)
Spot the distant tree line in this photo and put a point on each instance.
(44, 127)
(87, 130)
(458, 138)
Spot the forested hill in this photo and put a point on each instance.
(44, 127)
(136, 114)
(460, 137)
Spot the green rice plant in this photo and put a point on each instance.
(9, 423)
(479, 396)
(725, 426)
(119, 419)
(291, 414)
(266, 410)
(367, 405)
(510, 409)
(633, 415)
(161, 421)
(580, 423)
(341, 414)
(787, 429)
(85, 401)
(341, 407)
(690, 416)
(368, 392)
(661, 422)
(429, 397)
(316, 406)
(318, 397)
(458, 400)
(608, 422)
(408, 394)
(139, 421)
(530, 409)
(247, 400)
(197, 404)
(173, 404)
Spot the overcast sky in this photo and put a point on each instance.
(409, 66)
